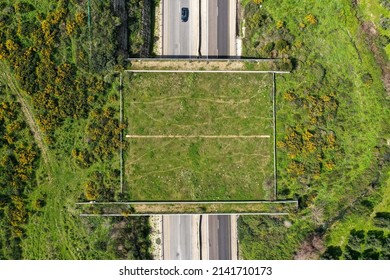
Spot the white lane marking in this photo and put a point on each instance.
(178, 240)
(191, 235)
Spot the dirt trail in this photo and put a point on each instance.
(371, 32)
(29, 117)
(187, 65)
(198, 136)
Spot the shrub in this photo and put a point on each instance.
(279, 24)
(370, 254)
(91, 191)
(368, 204)
(356, 239)
(311, 19)
(332, 253)
(330, 165)
(350, 254)
(367, 79)
(382, 219)
(268, 47)
(281, 45)
(296, 168)
(385, 4)
(80, 18)
(383, 41)
(385, 23)
(289, 96)
(375, 238)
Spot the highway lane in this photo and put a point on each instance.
(180, 228)
(184, 30)
(224, 238)
(220, 237)
(211, 29)
(217, 28)
(223, 28)
(213, 238)
(180, 234)
(180, 38)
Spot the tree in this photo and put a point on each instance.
(350, 254)
(382, 219)
(375, 239)
(91, 191)
(332, 253)
(356, 239)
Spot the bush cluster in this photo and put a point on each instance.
(362, 245)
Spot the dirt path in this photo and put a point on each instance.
(29, 117)
(371, 32)
(198, 136)
(187, 65)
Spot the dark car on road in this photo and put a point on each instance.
(184, 14)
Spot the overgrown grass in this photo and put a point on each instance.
(81, 148)
(281, 236)
(157, 208)
(56, 231)
(373, 11)
(199, 105)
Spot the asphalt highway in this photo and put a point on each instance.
(211, 29)
(183, 38)
(217, 28)
(179, 239)
(220, 237)
(179, 38)
(223, 28)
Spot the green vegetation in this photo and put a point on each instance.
(363, 245)
(273, 232)
(59, 124)
(58, 63)
(213, 65)
(18, 162)
(378, 12)
(199, 105)
(126, 209)
(141, 24)
(332, 124)
(129, 239)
